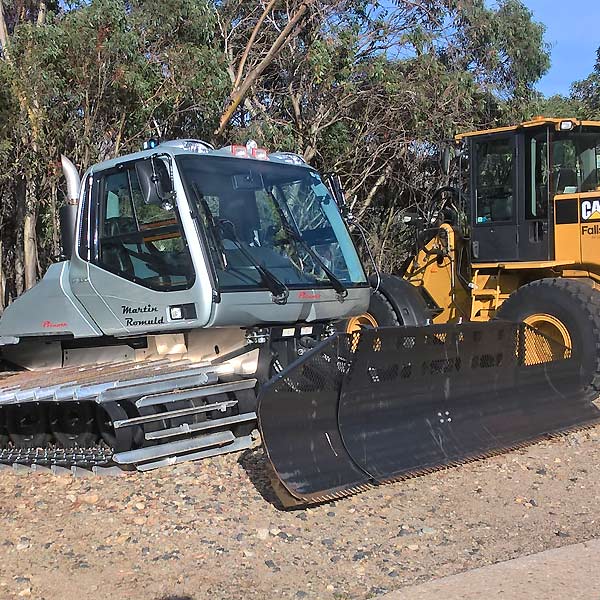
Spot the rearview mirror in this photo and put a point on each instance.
(246, 181)
(445, 159)
(155, 182)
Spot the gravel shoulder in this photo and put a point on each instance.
(215, 530)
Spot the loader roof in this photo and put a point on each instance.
(560, 124)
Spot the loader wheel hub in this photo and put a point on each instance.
(552, 328)
(366, 320)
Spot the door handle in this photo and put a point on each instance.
(536, 231)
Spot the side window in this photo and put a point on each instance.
(564, 161)
(494, 180)
(576, 163)
(536, 207)
(139, 242)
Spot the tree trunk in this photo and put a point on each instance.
(19, 239)
(243, 84)
(2, 280)
(30, 255)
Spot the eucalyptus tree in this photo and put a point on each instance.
(368, 90)
(93, 81)
(587, 92)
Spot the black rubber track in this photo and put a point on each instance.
(576, 304)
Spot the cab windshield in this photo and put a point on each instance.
(576, 162)
(283, 215)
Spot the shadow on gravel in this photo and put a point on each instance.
(175, 598)
(258, 468)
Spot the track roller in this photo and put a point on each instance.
(120, 440)
(73, 424)
(28, 425)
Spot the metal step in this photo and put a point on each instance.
(118, 388)
(154, 387)
(204, 373)
(172, 414)
(204, 426)
(141, 455)
(241, 443)
(198, 392)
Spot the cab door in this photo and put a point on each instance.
(494, 185)
(534, 188)
(135, 265)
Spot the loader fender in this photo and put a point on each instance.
(408, 304)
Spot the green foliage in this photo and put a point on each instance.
(587, 92)
(358, 89)
(558, 106)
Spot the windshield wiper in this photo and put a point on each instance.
(278, 289)
(212, 226)
(337, 285)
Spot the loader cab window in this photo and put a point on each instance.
(576, 162)
(494, 180)
(139, 242)
(537, 177)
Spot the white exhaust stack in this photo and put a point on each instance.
(67, 214)
(72, 176)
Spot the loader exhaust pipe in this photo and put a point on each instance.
(67, 214)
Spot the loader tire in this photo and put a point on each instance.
(381, 309)
(394, 303)
(379, 314)
(566, 308)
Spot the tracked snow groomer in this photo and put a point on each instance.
(201, 288)
(193, 275)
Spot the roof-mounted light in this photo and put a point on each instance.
(239, 151)
(288, 157)
(150, 144)
(260, 154)
(250, 150)
(255, 152)
(566, 125)
(198, 146)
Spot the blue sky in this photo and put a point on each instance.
(573, 31)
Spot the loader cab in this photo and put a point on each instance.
(526, 180)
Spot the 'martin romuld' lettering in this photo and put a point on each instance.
(136, 310)
(129, 322)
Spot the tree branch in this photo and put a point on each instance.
(250, 43)
(253, 76)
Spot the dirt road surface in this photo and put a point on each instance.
(214, 530)
(567, 572)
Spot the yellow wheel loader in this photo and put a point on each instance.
(521, 239)
(518, 239)
(200, 298)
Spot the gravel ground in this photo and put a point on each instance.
(214, 529)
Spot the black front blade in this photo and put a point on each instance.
(394, 402)
(298, 422)
(421, 398)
